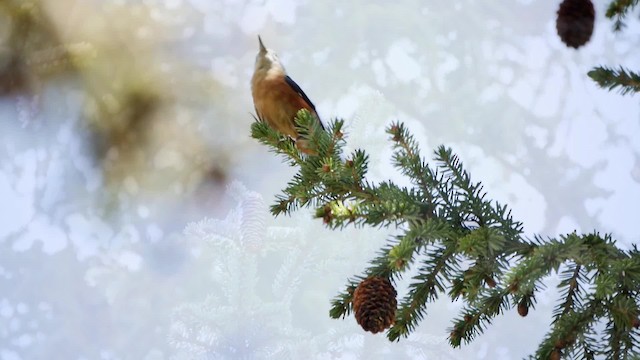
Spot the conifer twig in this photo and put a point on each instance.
(618, 9)
(608, 78)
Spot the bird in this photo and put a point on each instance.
(277, 98)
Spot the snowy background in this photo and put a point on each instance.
(134, 217)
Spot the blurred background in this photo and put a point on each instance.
(134, 218)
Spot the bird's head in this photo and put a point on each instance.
(266, 58)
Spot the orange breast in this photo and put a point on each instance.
(277, 104)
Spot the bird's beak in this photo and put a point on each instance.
(262, 48)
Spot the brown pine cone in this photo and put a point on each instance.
(523, 308)
(374, 304)
(575, 22)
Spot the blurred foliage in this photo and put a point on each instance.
(618, 10)
(142, 104)
(31, 48)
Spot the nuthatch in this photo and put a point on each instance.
(277, 98)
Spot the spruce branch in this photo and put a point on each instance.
(428, 284)
(462, 245)
(573, 276)
(618, 9)
(608, 78)
(478, 316)
(569, 332)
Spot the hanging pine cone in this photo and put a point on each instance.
(575, 22)
(523, 307)
(374, 304)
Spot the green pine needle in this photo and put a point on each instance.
(608, 78)
(618, 9)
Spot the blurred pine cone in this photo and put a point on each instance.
(523, 307)
(575, 22)
(374, 304)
